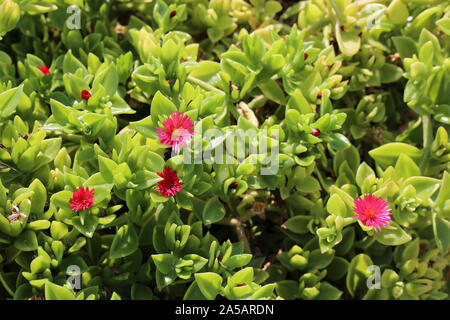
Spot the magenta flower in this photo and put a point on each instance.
(177, 131)
(82, 199)
(170, 184)
(372, 212)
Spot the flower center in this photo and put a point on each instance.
(177, 133)
(370, 213)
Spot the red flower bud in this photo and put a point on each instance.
(85, 95)
(44, 70)
(319, 95)
(316, 132)
(234, 185)
(305, 55)
(173, 14)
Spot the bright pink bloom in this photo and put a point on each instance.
(177, 131)
(372, 212)
(85, 95)
(44, 70)
(170, 184)
(82, 199)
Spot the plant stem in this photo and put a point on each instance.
(204, 85)
(316, 26)
(427, 140)
(257, 102)
(240, 232)
(5, 285)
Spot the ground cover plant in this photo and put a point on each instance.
(224, 149)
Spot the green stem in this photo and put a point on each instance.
(339, 14)
(427, 140)
(240, 232)
(316, 26)
(257, 102)
(204, 85)
(5, 285)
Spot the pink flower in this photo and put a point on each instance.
(177, 131)
(372, 212)
(170, 184)
(44, 70)
(82, 199)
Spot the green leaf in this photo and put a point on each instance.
(9, 100)
(209, 284)
(406, 167)
(26, 241)
(238, 261)
(358, 273)
(61, 199)
(443, 198)
(213, 211)
(107, 168)
(393, 235)
(58, 230)
(387, 154)
(161, 106)
(349, 42)
(336, 206)
(72, 64)
(60, 112)
(405, 46)
(39, 197)
(390, 73)
(55, 292)
(108, 78)
(125, 242)
(87, 225)
(298, 102)
(308, 184)
(397, 12)
(318, 260)
(425, 187)
(363, 172)
(328, 292)
(243, 276)
(339, 141)
(141, 292)
(441, 229)
(287, 289)
(145, 127)
(164, 262)
(264, 292)
(298, 224)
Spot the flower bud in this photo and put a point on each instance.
(397, 290)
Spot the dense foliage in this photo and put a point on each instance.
(345, 99)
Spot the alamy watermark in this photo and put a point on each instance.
(74, 280)
(374, 281)
(74, 20)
